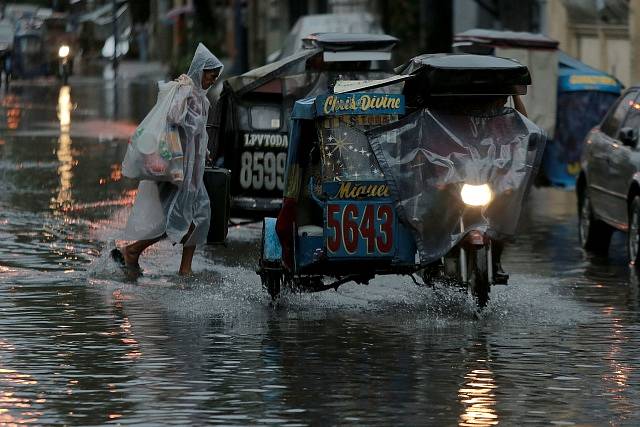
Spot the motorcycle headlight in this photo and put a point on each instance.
(64, 50)
(476, 195)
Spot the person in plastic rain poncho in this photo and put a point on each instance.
(162, 209)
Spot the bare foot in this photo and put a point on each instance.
(131, 271)
(131, 257)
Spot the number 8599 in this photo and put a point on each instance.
(260, 170)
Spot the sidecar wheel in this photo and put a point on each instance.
(272, 281)
(479, 276)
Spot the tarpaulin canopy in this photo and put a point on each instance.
(257, 77)
(427, 156)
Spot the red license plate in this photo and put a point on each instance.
(360, 229)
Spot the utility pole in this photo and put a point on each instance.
(516, 15)
(114, 64)
(634, 39)
(436, 25)
(114, 17)
(240, 13)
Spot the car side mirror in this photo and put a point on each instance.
(629, 136)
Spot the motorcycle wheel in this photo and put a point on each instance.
(272, 281)
(633, 237)
(479, 275)
(595, 235)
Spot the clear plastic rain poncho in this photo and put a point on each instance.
(164, 207)
(427, 157)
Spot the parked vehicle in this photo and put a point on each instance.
(28, 57)
(584, 97)
(61, 45)
(250, 125)
(608, 187)
(412, 178)
(6, 47)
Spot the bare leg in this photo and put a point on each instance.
(187, 254)
(185, 263)
(133, 251)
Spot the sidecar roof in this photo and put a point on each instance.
(339, 47)
(451, 74)
(494, 38)
(252, 79)
(336, 42)
(465, 74)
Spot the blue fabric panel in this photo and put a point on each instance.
(304, 109)
(272, 248)
(577, 113)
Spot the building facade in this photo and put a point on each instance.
(601, 33)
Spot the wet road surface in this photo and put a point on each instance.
(81, 345)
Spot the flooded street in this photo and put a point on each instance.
(79, 344)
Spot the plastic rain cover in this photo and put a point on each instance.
(170, 208)
(427, 157)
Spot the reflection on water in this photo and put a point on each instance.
(478, 398)
(13, 111)
(63, 152)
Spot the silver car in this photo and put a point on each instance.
(608, 187)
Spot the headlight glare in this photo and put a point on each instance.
(64, 50)
(476, 195)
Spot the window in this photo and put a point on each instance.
(264, 117)
(633, 118)
(611, 123)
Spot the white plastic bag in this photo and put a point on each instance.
(154, 150)
(147, 219)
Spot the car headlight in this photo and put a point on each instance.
(476, 195)
(64, 50)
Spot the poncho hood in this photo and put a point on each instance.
(202, 60)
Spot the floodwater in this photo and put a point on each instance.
(79, 344)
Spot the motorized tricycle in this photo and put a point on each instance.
(6, 46)
(416, 174)
(27, 59)
(65, 62)
(60, 45)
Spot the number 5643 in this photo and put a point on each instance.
(359, 229)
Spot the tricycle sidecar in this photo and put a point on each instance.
(250, 123)
(391, 181)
